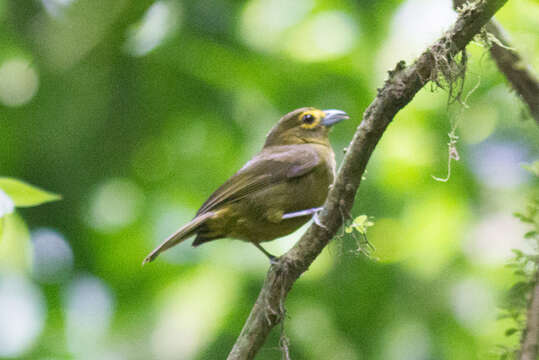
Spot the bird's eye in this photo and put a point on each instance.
(308, 118)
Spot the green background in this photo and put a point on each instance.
(135, 111)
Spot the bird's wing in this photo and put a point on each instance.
(267, 168)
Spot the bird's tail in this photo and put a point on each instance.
(183, 233)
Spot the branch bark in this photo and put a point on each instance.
(402, 85)
(530, 337)
(519, 74)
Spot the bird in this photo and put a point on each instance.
(275, 192)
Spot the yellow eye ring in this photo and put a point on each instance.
(309, 119)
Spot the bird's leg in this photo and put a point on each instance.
(301, 213)
(272, 258)
(314, 211)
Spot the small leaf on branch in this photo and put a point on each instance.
(360, 224)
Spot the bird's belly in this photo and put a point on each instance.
(258, 230)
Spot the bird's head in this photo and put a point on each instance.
(305, 125)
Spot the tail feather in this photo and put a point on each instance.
(183, 233)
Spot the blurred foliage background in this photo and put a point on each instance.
(135, 111)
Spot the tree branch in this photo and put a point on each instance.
(519, 74)
(530, 337)
(402, 85)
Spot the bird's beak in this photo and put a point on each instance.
(334, 116)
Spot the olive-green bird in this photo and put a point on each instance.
(275, 192)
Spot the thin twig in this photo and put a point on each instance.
(402, 85)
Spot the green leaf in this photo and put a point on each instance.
(523, 217)
(360, 219)
(510, 332)
(518, 291)
(520, 273)
(360, 224)
(518, 253)
(24, 195)
(530, 234)
(533, 168)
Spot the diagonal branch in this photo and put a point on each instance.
(519, 74)
(402, 85)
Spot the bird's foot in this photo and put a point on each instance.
(274, 260)
(317, 220)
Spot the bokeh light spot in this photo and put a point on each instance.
(404, 155)
(55, 8)
(22, 315)
(410, 144)
(385, 236)
(18, 82)
(498, 165)
(6, 204)
(264, 22)
(53, 258)
(407, 341)
(161, 19)
(114, 205)
(328, 35)
(491, 240)
(480, 123)
(312, 321)
(190, 316)
(429, 228)
(89, 308)
(473, 304)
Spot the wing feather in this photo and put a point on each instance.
(271, 166)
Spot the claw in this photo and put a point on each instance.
(317, 221)
(272, 258)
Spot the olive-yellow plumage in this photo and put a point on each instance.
(276, 191)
